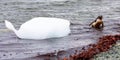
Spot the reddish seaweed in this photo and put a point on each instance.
(102, 45)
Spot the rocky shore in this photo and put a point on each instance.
(112, 54)
(103, 45)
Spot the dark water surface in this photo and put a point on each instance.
(79, 12)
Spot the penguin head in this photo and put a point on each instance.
(100, 17)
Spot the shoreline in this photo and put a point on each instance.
(103, 45)
(112, 54)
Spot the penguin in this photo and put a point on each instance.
(97, 23)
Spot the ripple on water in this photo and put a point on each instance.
(79, 12)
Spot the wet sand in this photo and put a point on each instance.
(79, 13)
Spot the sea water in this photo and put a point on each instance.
(79, 12)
